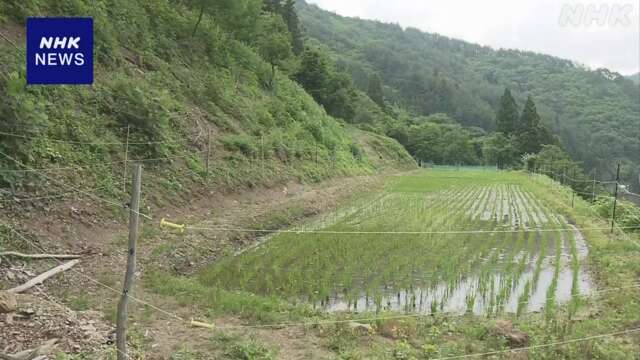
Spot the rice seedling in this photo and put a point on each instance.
(391, 251)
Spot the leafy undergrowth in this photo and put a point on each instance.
(172, 89)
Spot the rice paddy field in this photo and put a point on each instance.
(452, 241)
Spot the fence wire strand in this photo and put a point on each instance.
(87, 193)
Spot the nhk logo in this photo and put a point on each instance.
(64, 59)
(59, 50)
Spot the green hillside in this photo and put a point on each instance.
(172, 83)
(595, 113)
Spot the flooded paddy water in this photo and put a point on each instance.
(485, 249)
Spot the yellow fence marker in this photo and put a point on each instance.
(201, 324)
(165, 223)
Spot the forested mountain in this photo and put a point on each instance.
(595, 113)
(635, 78)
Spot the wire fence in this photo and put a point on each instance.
(444, 232)
(544, 345)
(55, 196)
(112, 203)
(91, 193)
(206, 326)
(90, 143)
(173, 315)
(187, 322)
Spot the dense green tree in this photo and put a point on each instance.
(313, 73)
(458, 147)
(534, 133)
(424, 143)
(334, 90)
(375, 90)
(340, 97)
(293, 23)
(287, 10)
(501, 150)
(400, 133)
(273, 42)
(507, 116)
(530, 118)
(441, 144)
(438, 118)
(238, 17)
(273, 6)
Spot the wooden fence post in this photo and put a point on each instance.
(121, 321)
(615, 199)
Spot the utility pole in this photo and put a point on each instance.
(121, 321)
(126, 158)
(615, 199)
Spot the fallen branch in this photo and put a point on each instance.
(40, 256)
(31, 354)
(44, 276)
